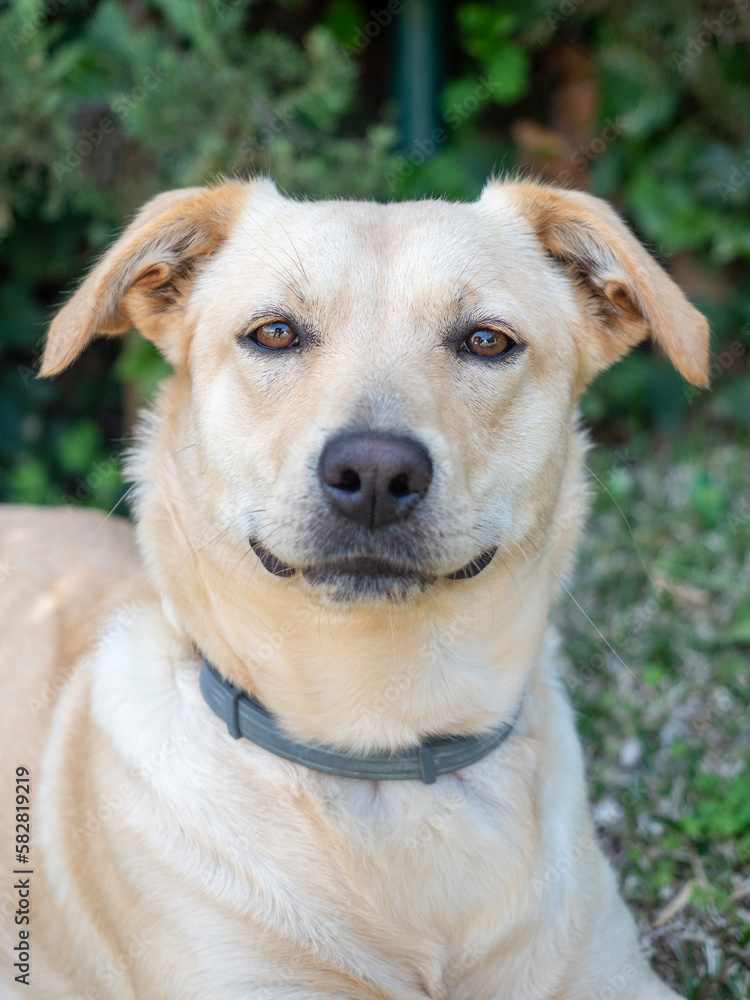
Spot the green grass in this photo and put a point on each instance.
(662, 698)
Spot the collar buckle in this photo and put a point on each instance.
(427, 765)
(232, 697)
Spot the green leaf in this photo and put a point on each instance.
(78, 446)
(507, 73)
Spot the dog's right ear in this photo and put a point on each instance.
(143, 279)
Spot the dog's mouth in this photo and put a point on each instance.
(366, 575)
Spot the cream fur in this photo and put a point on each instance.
(172, 862)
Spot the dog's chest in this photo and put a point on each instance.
(435, 855)
(396, 881)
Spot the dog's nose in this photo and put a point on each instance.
(375, 478)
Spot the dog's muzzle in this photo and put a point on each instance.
(371, 481)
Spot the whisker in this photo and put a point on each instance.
(296, 251)
(627, 524)
(285, 278)
(127, 493)
(592, 624)
(232, 571)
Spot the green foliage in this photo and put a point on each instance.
(673, 79)
(486, 34)
(102, 106)
(722, 812)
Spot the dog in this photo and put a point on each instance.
(302, 734)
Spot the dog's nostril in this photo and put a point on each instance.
(348, 481)
(399, 486)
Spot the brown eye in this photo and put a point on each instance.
(487, 343)
(275, 335)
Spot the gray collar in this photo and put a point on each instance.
(246, 717)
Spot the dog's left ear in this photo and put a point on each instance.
(143, 280)
(627, 295)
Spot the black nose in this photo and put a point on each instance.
(375, 478)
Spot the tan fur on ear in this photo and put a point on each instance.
(141, 280)
(628, 295)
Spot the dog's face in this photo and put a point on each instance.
(381, 396)
(383, 389)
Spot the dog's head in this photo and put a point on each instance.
(378, 399)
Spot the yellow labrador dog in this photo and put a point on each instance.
(305, 737)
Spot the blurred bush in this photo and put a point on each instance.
(103, 104)
(645, 104)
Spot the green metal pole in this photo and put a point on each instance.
(417, 69)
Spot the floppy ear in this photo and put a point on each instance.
(144, 278)
(626, 295)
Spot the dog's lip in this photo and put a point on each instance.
(475, 566)
(364, 565)
(269, 561)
